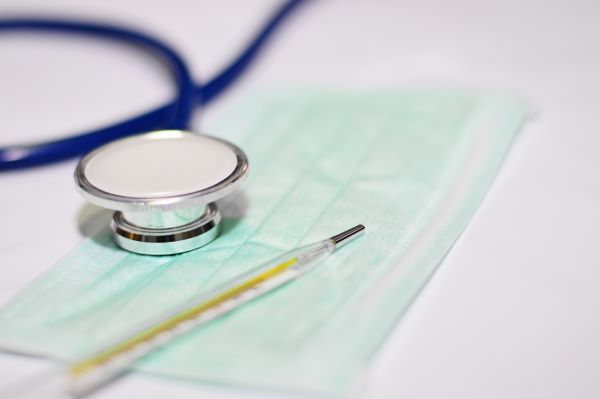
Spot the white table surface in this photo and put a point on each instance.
(513, 310)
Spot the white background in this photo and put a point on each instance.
(512, 311)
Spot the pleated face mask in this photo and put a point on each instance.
(412, 166)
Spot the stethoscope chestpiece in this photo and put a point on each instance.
(163, 186)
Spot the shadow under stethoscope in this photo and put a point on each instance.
(94, 222)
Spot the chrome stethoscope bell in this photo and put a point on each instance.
(163, 186)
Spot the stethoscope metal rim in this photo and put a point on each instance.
(210, 219)
(202, 197)
(167, 241)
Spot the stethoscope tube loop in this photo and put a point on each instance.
(175, 114)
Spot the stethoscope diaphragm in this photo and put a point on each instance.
(162, 186)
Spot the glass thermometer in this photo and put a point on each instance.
(102, 366)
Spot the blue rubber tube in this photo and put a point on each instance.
(175, 114)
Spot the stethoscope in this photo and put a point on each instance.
(163, 185)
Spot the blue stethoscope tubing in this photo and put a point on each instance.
(175, 114)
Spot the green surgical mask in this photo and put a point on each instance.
(412, 166)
